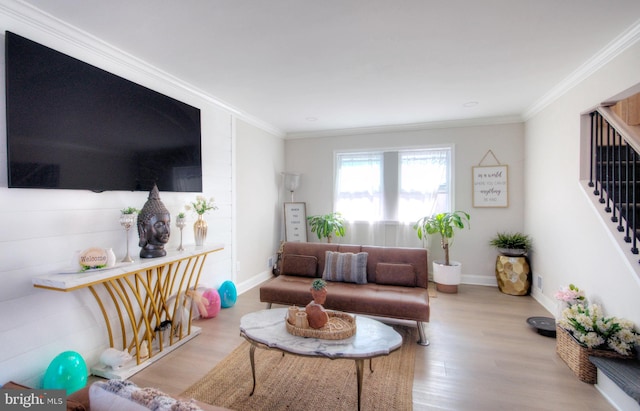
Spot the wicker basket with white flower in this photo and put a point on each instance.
(584, 330)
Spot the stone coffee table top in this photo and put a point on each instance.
(267, 329)
(372, 338)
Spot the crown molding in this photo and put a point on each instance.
(40, 25)
(472, 122)
(618, 45)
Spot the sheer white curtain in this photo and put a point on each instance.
(383, 233)
(359, 186)
(418, 185)
(424, 183)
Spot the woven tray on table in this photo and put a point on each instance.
(339, 327)
(576, 356)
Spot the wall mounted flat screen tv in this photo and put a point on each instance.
(71, 125)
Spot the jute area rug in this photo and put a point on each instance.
(297, 383)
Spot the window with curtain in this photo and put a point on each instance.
(358, 187)
(399, 185)
(424, 183)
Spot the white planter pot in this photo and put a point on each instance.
(447, 277)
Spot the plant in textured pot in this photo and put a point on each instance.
(446, 273)
(325, 226)
(512, 268)
(511, 244)
(319, 291)
(316, 314)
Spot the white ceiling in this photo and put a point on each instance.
(309, 65)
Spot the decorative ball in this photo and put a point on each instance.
(67, 371)
(215, 303)
(228, 294)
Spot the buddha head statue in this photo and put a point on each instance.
(154, 222)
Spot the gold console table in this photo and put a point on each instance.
(149, 296)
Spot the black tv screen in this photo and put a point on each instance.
(71, 125)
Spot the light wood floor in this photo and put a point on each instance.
(483, 356)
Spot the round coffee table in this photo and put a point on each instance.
(266, 329)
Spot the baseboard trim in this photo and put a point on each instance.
(253, 281)
(479, 280)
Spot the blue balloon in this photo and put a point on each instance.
(228, 294)
(67, 371)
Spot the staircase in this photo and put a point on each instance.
(614, 177)
(614, 172)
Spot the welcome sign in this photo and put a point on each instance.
(95, 258)
(490, 186)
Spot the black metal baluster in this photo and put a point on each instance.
(620, 180)
(615, 175)
(617, 184)
(609, 170)
(627, 183)
(599, 185)
(592, 150)
(634, 188)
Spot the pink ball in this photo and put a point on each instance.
(211, 294)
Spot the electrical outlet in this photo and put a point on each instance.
(270, 262)
(540, 283)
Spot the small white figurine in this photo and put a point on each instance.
(114, 358)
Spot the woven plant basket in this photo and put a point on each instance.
(339, 327)
(576, 356)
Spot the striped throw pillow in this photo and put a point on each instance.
(345, 267)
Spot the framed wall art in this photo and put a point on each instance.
(490, 186)
(295, 222)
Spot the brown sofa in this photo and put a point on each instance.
(396, 280)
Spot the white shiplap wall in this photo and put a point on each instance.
(42, 228)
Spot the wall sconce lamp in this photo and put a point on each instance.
(291, 182)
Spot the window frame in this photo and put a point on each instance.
(335, 174)
(396, 150)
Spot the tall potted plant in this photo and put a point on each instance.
(325, 226)
(447, 273)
